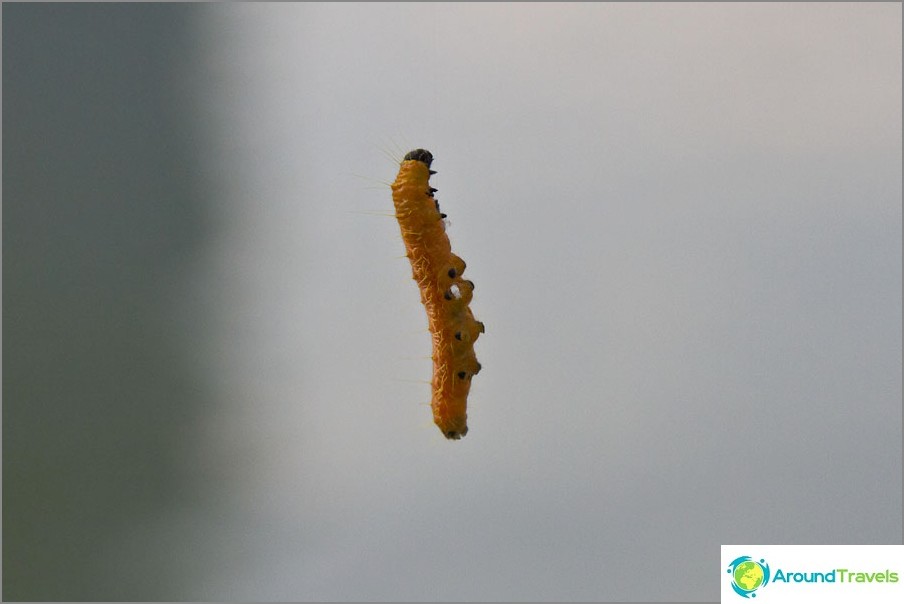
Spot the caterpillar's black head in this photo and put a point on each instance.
(421, 155)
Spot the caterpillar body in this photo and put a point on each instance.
(445, 294)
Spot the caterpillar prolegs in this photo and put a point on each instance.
(444, 293)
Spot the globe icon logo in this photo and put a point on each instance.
(748, 575)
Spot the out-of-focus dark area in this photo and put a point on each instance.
(100, 208)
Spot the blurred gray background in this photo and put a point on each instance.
(683, 221)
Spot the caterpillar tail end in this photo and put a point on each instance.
(456, 434)
(453, 428)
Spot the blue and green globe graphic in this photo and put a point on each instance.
(748, 575)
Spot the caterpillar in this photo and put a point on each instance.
(444, 293)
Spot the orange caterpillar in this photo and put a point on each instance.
(444, 293)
